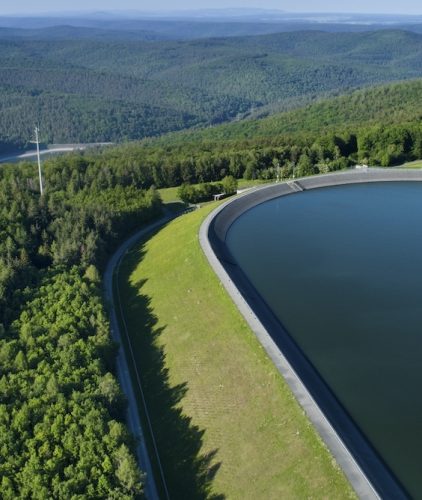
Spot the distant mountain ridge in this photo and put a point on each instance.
(69, 32)
(99, 89)
(191, 24)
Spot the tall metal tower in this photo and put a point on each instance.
(37, 141)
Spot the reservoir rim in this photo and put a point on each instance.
(365, 469)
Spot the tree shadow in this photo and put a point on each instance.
(187, 471)
(176, 207)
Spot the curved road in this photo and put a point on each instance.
(123, 374)
(53, 149)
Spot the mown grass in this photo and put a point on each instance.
(225, 421)
(171, 194)
(413, 164)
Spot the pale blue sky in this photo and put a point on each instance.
(363, 6)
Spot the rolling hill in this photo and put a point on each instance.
(391, 104)
(90, 90)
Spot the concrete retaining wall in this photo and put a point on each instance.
(365, 469)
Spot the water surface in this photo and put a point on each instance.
(341, 267)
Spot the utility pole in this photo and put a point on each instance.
(37, 141)
(278, 171)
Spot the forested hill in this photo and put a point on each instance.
(377, 126)
(391, 104)
(91, 90)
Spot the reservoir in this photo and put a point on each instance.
(341, 269)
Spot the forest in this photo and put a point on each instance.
(111, 89)
(391, 104)
(62, 430)
(378, 126)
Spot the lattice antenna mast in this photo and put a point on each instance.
(37, 141)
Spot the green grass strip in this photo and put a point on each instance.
(225, 422)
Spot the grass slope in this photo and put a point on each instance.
(225, 422)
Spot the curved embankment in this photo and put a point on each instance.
(363, 467)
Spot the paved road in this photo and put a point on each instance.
(123, 374)
(53, 149)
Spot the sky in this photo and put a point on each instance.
(361, 6)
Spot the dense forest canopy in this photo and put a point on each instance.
(390, 104)
(379, 126)
(94, 90)
(62, 431)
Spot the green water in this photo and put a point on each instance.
(341, 267)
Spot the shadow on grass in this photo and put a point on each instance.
(188, 473)
(176, 207)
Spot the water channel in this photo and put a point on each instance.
(341, 268)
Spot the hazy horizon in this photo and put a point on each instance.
(26, 7)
